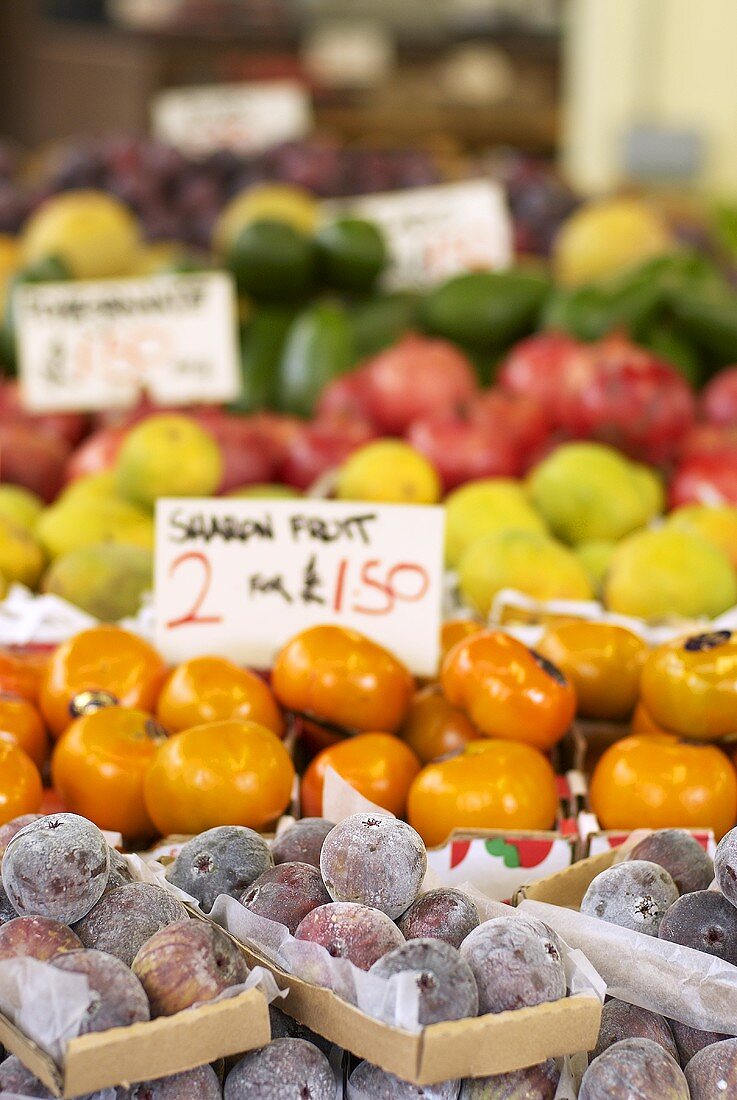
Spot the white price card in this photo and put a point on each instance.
(246, 118)
(241, 577)
(99, 344)
(436, 232)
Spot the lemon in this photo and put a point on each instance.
(390, 472)
(606, 237)
(94, 234)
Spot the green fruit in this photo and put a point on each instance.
(272, 261)
(262, 343)
(107, 580)
(667, 574)
(351, 254)
(481, 507)
(168, 456)
(318, 349)
(69, 525)
(587, 491)
(524, 560)
(20, 505)
(378, 322)
(485, 309)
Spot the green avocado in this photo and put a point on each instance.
(380, 321)
(485, 309)
(272, 261)
(351, 254)
(261, 345)
(319, 347)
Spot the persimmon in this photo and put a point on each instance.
(378, 765)
(102, 659)
(211, 689)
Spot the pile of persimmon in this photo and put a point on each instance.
(146, 750)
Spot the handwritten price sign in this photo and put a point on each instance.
(241, 577)
(247, 118)
(436, 232)
(98, 344)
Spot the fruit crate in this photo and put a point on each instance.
(156, 1048)
(472, 1047)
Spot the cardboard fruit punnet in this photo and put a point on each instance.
(157, 1048)
(474, 1047)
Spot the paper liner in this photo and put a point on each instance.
(593, 611)
(341, 800)
(47, 1004)
(394, 1000)
(683, 984)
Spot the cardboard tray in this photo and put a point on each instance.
(567, 887)
(474, 1047)
(169, 1044)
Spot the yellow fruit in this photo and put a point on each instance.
(716, 523)
(70, 525)
(668, 574)
(168, 456)
(20, 505)
(606, 237)
(3, 586)
(159, 256)
(94, 234)
(9, 263)
(588, 491)
(390, 472)
(281, 202)
(264, 489)
(650, 484)
(91, 487)
(481, 507)
(595, 557)
(524, 560)
(107, 580)
(22, 560)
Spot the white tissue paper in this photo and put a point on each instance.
(46, 1004)
(681, 983)
(593, 611)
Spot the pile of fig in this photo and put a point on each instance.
(664, 890)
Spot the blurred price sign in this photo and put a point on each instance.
(99, 344)
(247, 118)
(436, 232)
(241, 577)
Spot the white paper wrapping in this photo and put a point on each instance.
(46, 1004)
(681, 983)
(394, 1000)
